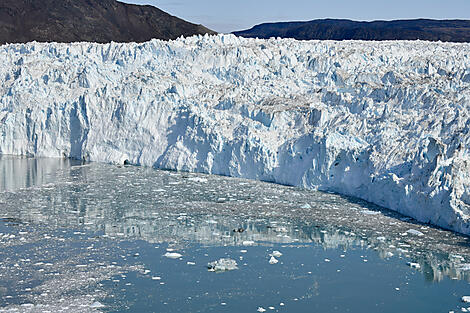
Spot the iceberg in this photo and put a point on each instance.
(387, 122)
(222, 265)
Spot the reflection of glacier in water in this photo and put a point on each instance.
(179, 208)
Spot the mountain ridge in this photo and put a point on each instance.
(451, 30)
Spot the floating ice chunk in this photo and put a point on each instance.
(27, 305)
(261, 309)
(248, 243)
(156, 278)
(190, 263)
(273, 260)
(415, 232)
(389, 254)
(222, 265)
(97, 305)
(466, 299)
(327, 260)
(280, 229)
(413, 265)
(306, 206)
(381, 238)
(198, 179)
(173, 255)
(276, 254)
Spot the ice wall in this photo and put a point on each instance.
(387, 122)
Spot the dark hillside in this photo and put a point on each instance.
(88, 20)
(331, 29)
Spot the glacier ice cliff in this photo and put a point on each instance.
(387, 122)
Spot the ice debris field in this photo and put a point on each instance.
(387, 122)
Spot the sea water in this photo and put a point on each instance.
(88, 237)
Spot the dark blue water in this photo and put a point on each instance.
(89, 237)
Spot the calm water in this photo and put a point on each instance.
(91, 237)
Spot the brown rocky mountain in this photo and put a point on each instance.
(88, 20)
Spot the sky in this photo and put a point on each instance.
(227, 16)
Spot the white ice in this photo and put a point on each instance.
(387, 122)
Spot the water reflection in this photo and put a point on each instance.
(181, 208)
(17, 172)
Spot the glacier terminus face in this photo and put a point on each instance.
(387, 122)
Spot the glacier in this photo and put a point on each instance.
(387, 122)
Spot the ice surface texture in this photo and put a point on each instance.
(387, 122)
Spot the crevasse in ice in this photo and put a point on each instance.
(387, 122)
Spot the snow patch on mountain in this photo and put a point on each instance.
(387, 122)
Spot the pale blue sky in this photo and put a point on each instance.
(228, 16)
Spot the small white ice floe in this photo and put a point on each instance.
(173, 255)
(97, 305)
(273, 260)
(280, 229)
(261, 309)
(248, 243)
(222, 265)
(381, 238)
(415, 232)
(327, 260)
(156, 278)
(466, 299)
(276, 254)
(306, 206)
(28, 305)
(389, 254)
(413, 265)
(190, 263)
(198, 179)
